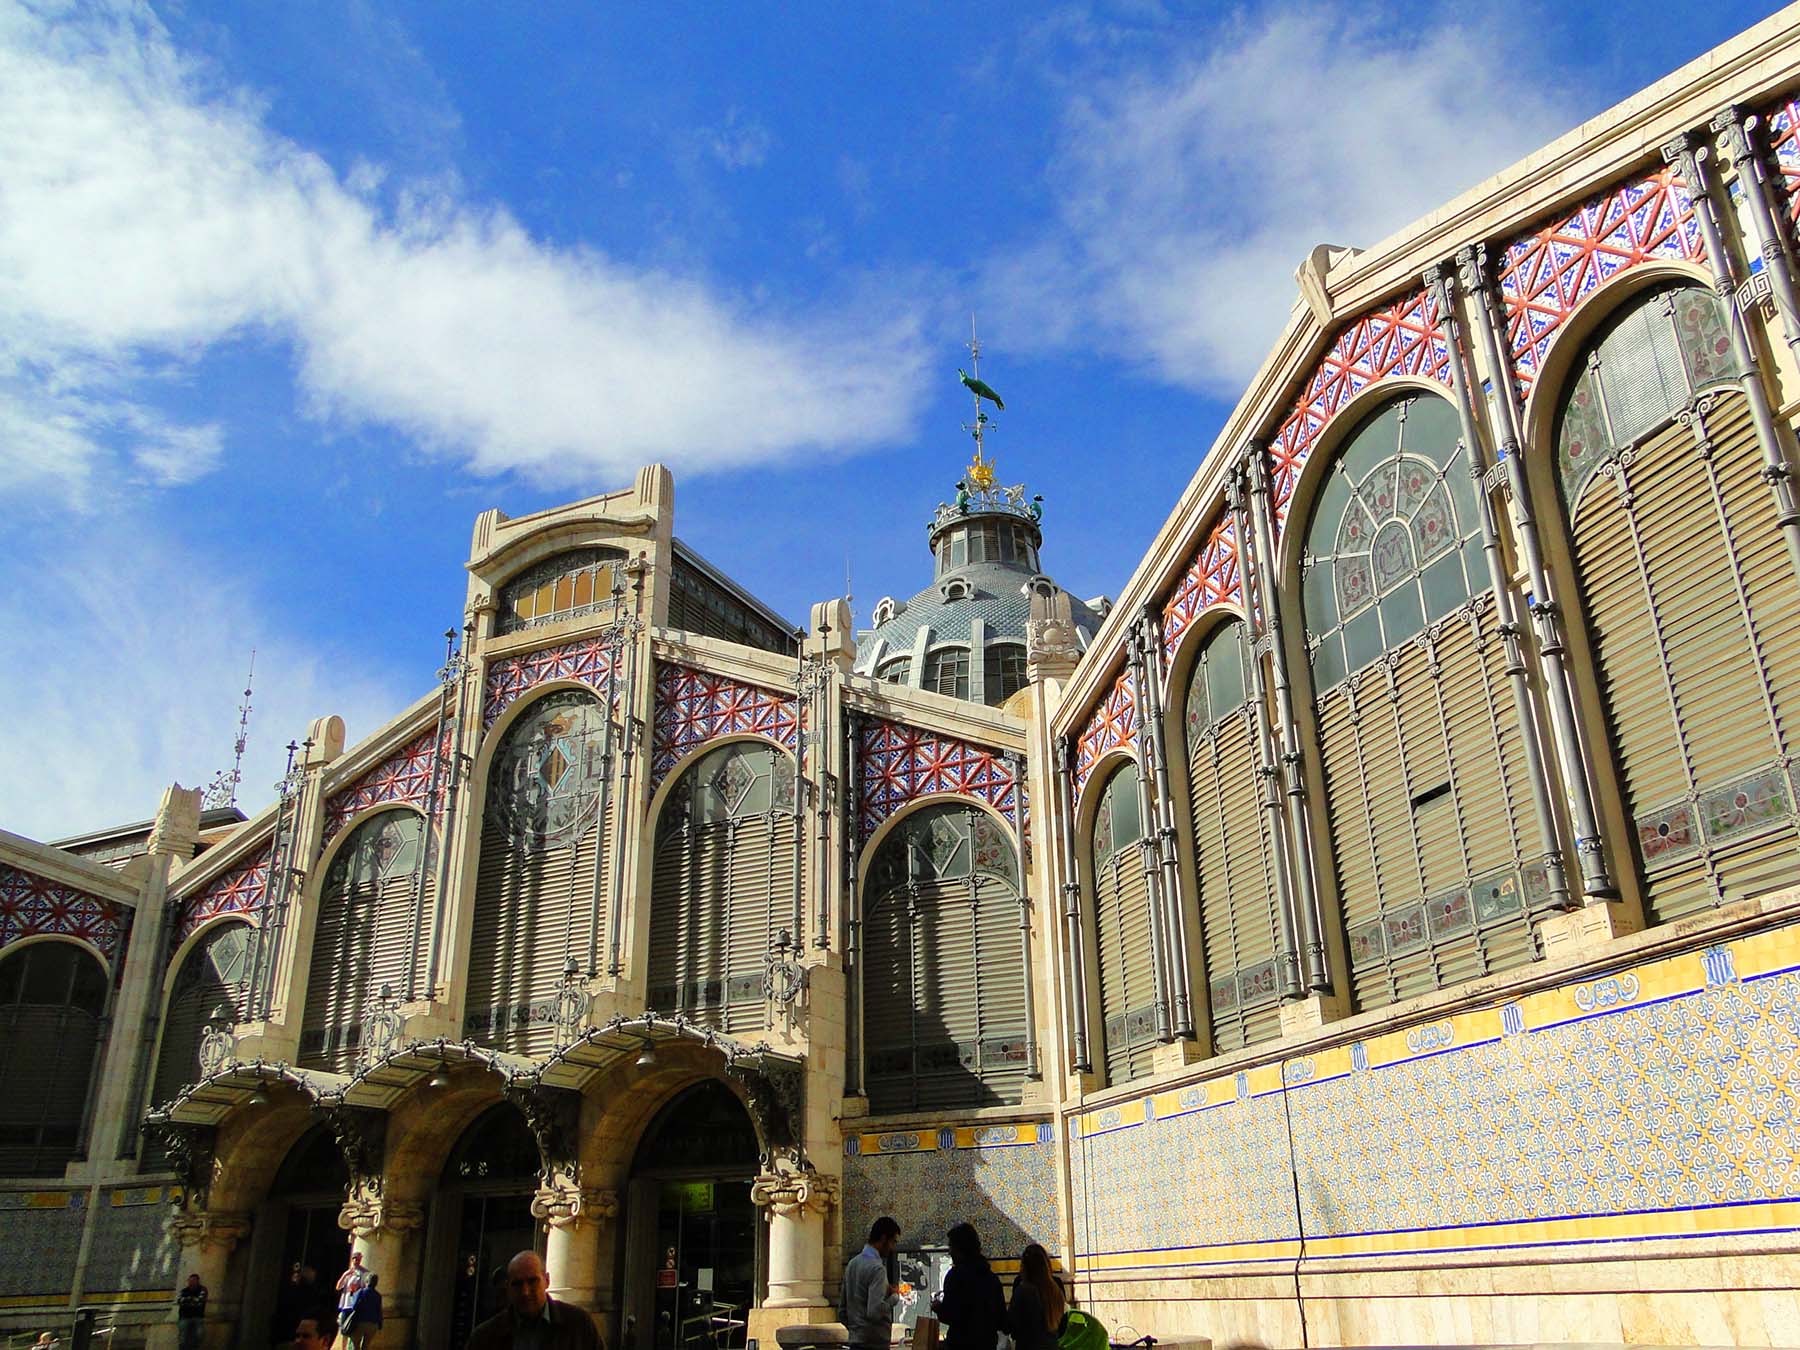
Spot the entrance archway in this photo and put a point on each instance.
(694, 1249)
(482, 1216)
(296, 1228)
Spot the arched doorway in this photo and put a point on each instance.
(484, 1200)
(694, 1253)
(296, 1229)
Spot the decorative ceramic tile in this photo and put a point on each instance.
(237, 890)
(586, 660)
(1784, 140)
(1547, 273)
(1008, 1193)
(1111, 725)
(404, 776)
(31, 906)
(694, 706)
(131, 1251)
(899, 764)
(38, 1256)
(1212, 578)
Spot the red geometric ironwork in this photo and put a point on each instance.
(1112, 724)
(404, 776)
(900, 764)
(1405, 338)
(237, 890)
(587, 660)
(1211, 579)
(694, 706)
(33, 906)
(1546, 274)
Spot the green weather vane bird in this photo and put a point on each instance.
(979, 387)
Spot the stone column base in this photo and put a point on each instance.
(1571, 931)
(1310, 1013)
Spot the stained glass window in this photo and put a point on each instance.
(943, 843)
(382, 848)
(1645, 366)
(1117, 824)
(1219, 685)
(544, 786)
(1395, 542)
(564, 587)
(737, 780)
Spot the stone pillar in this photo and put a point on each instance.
(207, 1239)
(796, 1202)
(574, 1218)
(389, 1236)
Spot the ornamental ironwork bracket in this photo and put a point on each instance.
(554, 1118)
(784, 979)
(775, 1095)
(361, 1135)
(191, 1149)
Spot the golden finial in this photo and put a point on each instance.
(980, 476)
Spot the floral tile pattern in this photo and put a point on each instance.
(237, 890)
(898, 764)
(31, 906)
(695, 706)
(1008, 1193)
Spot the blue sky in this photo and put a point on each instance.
(288, 293)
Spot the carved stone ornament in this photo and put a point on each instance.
(554, 1117)
(1050, 639)
(361, 1136)
(367, 1213)
(794, 1194)
(206, 1230)
(775, 1094)
(566, 1205)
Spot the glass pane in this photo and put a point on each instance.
(1319, 598)
(1582, 441)
(1475, 565)
(1434, 528)
(1328, 662)
(1355, 582)
(1225, 671)
(1417, 478)
(1445, 587)
(1401, 615)
(545, 779)
(1391, 558)
(1704, 338)
(565, 593)
(959, 549)
(1333, 497)
(1432, 429)
(1641, 373)
(1362, 639)
(1462, 493)
(584, 590)
(1374, 441)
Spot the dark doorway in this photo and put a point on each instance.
(694, 1264)
(297, 1229)
(486, 1191)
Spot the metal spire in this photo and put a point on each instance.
(981, 471)
(223, 789)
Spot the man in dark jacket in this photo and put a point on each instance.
(532, 1320)
(190, 1313)
(973, 1305)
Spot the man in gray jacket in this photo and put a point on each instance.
(868, 1292)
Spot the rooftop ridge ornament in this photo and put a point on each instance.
(980, 488)
(223, 789)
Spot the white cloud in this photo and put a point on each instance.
(137, 659)
(1189, 188)
(147, 215)
(739, 143)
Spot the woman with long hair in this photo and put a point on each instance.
(1038, 1302)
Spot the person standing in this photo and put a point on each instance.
(190, 1313)
(1038, 1302)
(972, 1306)
(532, 1320)
(351, 1283)
(869, 1294)
(365, 1315)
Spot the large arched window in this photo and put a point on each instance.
(724, 883)
(1123, 929)
(1233, 854)
(538, 897)
(563, 587)
(1429, 809)
(944, 979)
(52, 1006)
(209, 988)
(364, 935)
(1691, 604)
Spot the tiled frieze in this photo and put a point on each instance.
(1656, 1102)
(404, 776)
(1109, 726)
(1784, 141)
(1001, 1178)
(34, 906)
(898, 764)
(585, 660)
(43, 1238)
(1404, 338)
(237, 890)
(696, 706)
(1547, 273)
(1212, 578)
(131, 1252)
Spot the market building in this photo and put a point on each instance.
(1379, 925)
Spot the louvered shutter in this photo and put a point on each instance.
(543, 855)
(1127, 976)
(1698, 678)
(52, 997)
(211, 983)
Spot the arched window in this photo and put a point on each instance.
(563, 587)
(209, 988)
(943, 980)
(1432, 831)
(1005, 672)
(947, 671)
(1233, 854)
(1123, 929)
(364, 934)
(895, 671)
(538, 896)
(1691, 605)
(724, 883)
(52, 1004)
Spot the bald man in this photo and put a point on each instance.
(532, 1320)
